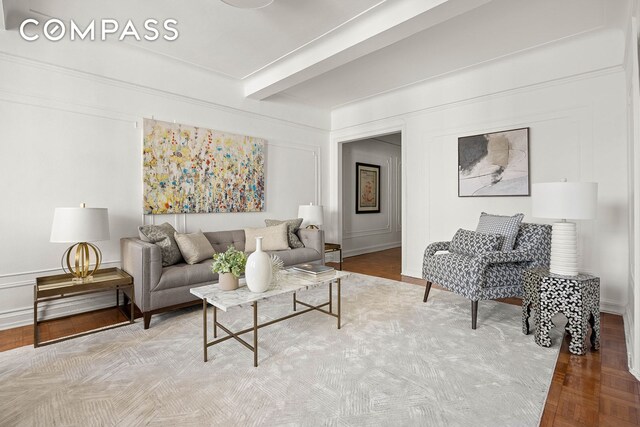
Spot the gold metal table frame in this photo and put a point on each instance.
(60, 286)
(254, 347)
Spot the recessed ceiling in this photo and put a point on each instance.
(227, 40)
(328, 53)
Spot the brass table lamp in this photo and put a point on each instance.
(80, 226)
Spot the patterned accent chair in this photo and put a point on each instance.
(488, 275)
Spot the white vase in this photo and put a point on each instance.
(258, 269)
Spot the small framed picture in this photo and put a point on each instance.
(367, 188)
(494, 164)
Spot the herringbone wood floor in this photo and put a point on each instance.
(592, 390)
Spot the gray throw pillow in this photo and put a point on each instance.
(471, 243)
(507, 226)
(293, 225)
(162, 235)
(194, 247)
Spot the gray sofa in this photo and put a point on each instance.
(159, 289)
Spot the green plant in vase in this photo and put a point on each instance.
(230, 266)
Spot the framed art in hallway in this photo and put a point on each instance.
(367, 188)
(494, 164)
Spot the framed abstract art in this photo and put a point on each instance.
(494, 164)
(367, 188)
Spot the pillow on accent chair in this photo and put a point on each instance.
(162, 235)
(293, 225)
(471, 243)
(506, 226)
(195, 247)
(274, 238)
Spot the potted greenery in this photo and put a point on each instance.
(229, 265)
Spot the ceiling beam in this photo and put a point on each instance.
(13, 13)
(379, 27)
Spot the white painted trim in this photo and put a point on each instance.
(52, 68)
(369, 249)
(335, 167)
(612, 307)
(57, 270)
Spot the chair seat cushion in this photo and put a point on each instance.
(456, 272)
(467, 242)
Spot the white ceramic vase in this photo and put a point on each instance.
(258, 269)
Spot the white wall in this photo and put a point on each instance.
(632, 74)
(364, 233)
(72, 132)
(572, 96)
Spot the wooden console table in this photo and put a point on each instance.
(49, 288)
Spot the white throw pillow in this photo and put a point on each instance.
(195, 247)
(273, 238)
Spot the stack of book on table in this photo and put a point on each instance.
(314, 270)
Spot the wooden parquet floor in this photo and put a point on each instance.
(592, 390)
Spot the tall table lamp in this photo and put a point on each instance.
(312, 215)
(564, 200)
(80, 226)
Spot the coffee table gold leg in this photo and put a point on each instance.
(294, 301)
(338, 281)
(330, 297)
(255, 334)
(215, 321)
(132, 302)
(204, 324)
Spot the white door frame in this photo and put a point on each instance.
(338, 139)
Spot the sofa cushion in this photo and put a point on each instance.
(162, 235)
(195, 247)
(274, 238)
(472, 243)
(221, 240)
(179, 275)
(506, 226)
(293, 225)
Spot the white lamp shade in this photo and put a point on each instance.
(72, 225)
(311, 215)
(565, 200)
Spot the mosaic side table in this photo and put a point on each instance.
(577, 297)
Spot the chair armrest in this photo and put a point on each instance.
(504, 257)
(143, 261)
(313, 238)
(434, 247)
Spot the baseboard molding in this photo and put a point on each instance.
(24, 316)
(612, 307)
(369, 249)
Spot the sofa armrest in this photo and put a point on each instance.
(434, 247)
(313, 238)
(143, 261)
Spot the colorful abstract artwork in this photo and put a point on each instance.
(196, 170)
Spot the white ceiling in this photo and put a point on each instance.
(330, 52)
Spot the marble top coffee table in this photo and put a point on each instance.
(290, 283)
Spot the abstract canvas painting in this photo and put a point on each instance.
(494, 164)
(187, 169)
(367, 188)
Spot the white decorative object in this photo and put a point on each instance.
(277, 265)
(564, 200)
(312, 215)
(258, 269)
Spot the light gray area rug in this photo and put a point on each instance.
(396, 361)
